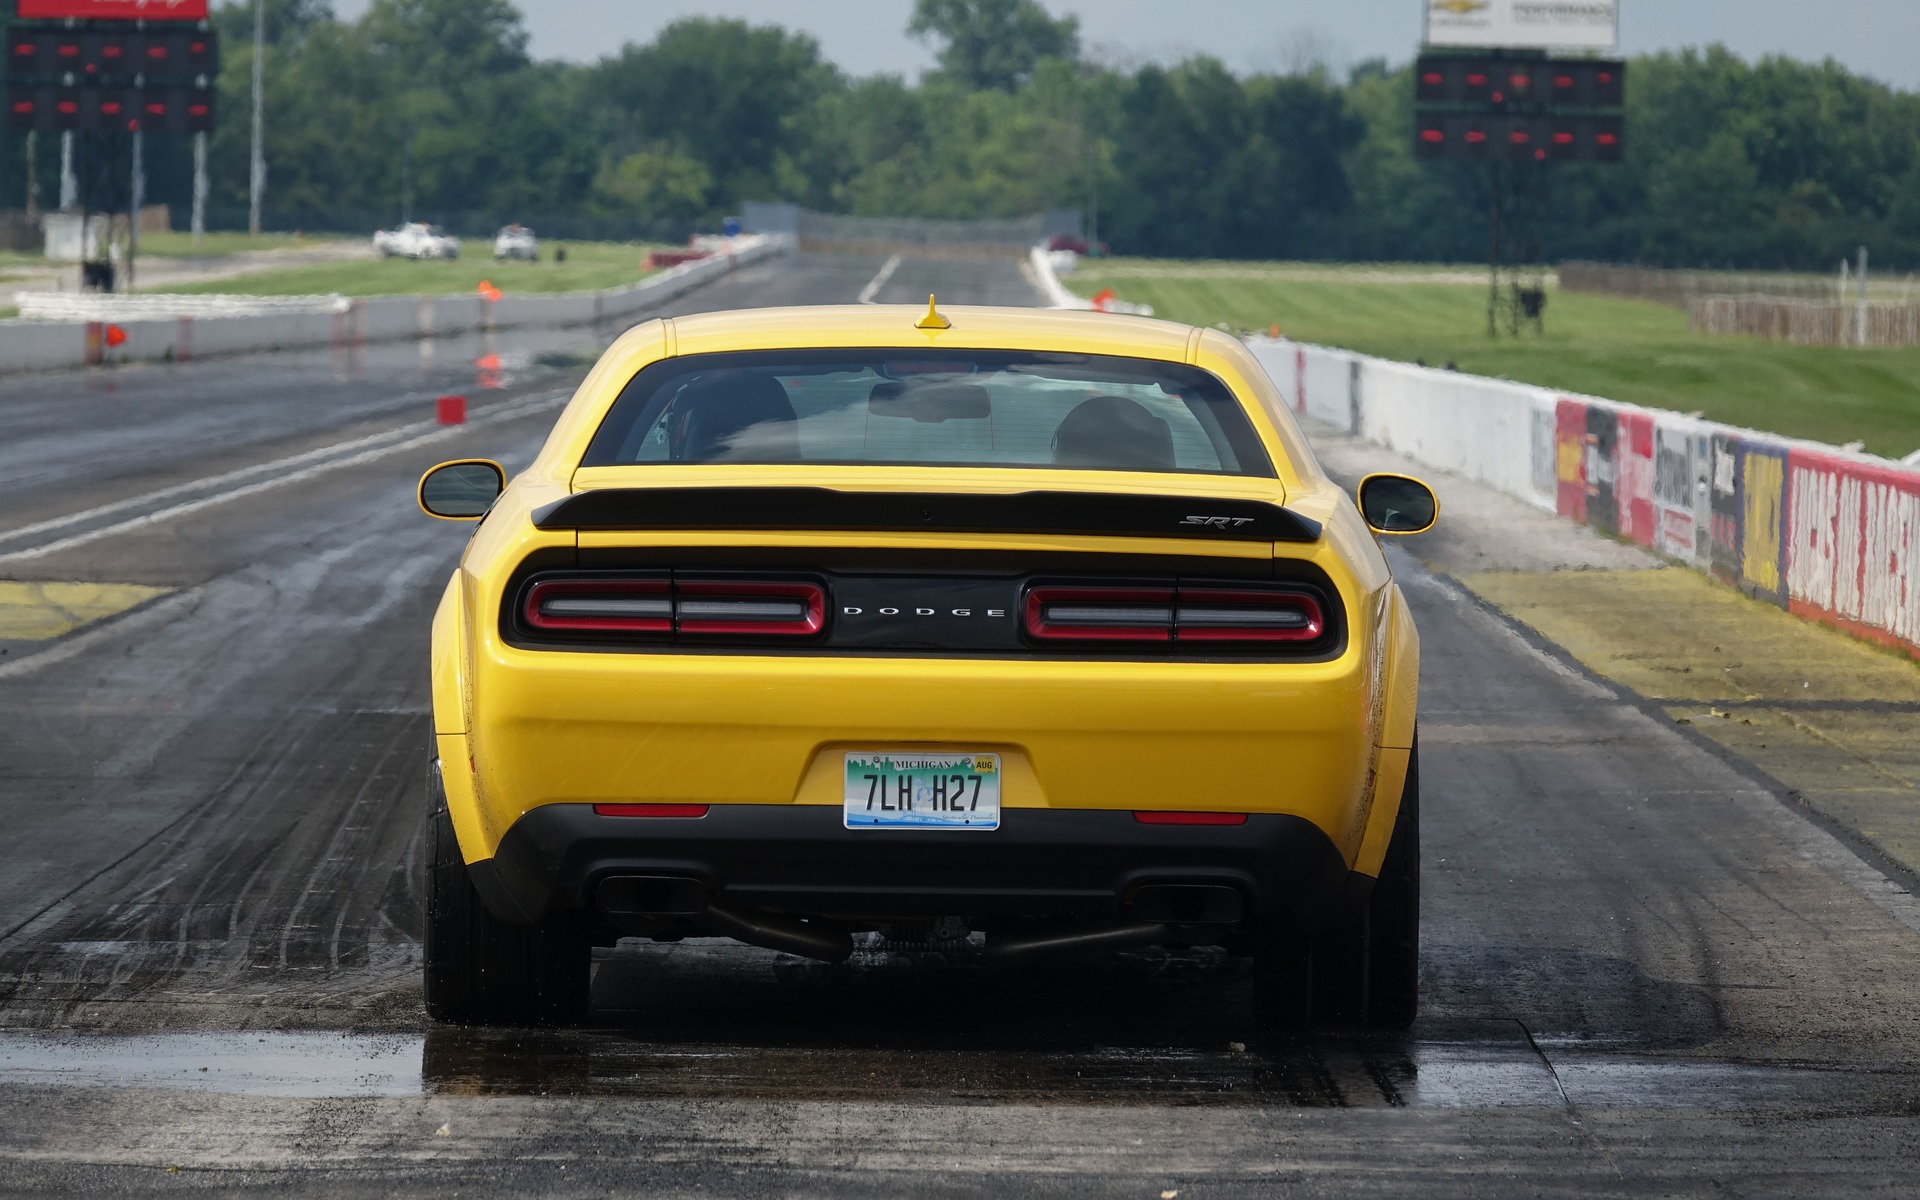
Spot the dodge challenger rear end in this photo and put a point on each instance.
(1043, 630)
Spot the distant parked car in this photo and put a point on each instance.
(516, 241)
(416, 240)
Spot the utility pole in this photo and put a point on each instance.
(33, 176)
(69, 182)
(406, 177)
(199, 187)
(137, 193)
(1860, 304)
(258, 179)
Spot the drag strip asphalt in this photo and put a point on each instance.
(1642, 972)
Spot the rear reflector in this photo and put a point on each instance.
(650, 810)
(1124, 614)
(1190, 818)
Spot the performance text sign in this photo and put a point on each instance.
(1524, 24)
(115, 10)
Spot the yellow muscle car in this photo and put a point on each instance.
(814, 627)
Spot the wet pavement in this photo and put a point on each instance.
(1643, 973)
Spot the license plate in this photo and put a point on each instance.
(891, 790)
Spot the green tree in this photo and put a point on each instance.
(993, 43)
(656, 184)
(720, 91)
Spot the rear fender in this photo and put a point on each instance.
(452, 710)
(1402, 686)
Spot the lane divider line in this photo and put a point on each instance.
(435, 434)
(196, 485)
(879, 281)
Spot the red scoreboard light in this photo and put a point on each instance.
(1589, 83)
(198, 108)
(45, 108)
(1454, 80)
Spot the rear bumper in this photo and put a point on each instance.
(800, 859)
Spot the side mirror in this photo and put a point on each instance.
(462, 490)
(1398, 504)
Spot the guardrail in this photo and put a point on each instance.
(1825, 533)
(108, 306)
(42, 345)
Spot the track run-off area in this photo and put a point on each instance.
(1645, 969)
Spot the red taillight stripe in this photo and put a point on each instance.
(765, 609)
(1108, 614)
(600, 605)
(660, 605)
(1190, 818)
(1132, 614)
(1234, 616)
(651, 810)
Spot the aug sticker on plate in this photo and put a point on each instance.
(892, 790)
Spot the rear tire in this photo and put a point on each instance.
(481, 970)
(1367, 973)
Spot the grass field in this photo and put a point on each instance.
(1620, 349)
(589, 266)
(212, 245)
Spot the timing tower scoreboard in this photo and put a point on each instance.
(97, 65)
(1513, 105)
(1498, 80)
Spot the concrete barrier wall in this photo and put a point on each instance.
(49, 345)
(1830, 535)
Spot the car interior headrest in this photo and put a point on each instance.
(1113, 433)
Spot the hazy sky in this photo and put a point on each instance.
(1877, 37)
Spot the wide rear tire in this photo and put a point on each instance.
(481, 970)
(1366, 973)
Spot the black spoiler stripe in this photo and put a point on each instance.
(827, 510)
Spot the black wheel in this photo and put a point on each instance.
(481, 970)
(1367, 973)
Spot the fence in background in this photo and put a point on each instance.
(1677, 288)
(1806, 322)
(1827, 534)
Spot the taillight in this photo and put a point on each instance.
(601, 605)
(1136, 614)
(765, 609)
(660, 605)
(1103, 614)
(1247, 616)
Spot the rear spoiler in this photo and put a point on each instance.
(827, 510)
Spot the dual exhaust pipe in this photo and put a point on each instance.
(1156, 908)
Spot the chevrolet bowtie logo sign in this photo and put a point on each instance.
(1460, 8)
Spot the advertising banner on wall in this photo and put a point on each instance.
(117, 10)
(1524, 24)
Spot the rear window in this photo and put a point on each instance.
(930, 408)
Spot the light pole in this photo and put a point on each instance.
(199, 187)
(69, 182)
(257, 185)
